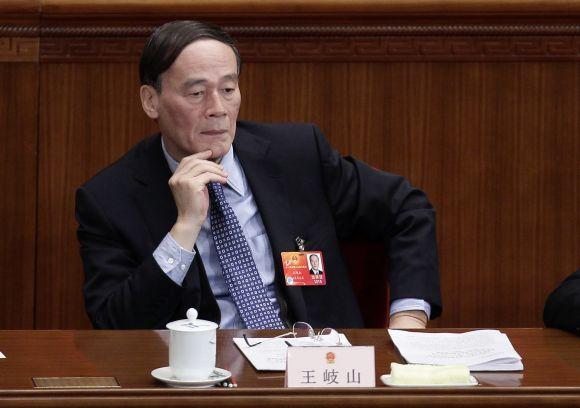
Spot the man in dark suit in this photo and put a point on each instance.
(314, 265)
(562, 310)
(198, 215)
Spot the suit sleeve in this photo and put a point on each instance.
(562, 310)
(121, 291)
(384, 207)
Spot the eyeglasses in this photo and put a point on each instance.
(302, 330)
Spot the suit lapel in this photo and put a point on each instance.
(270, 193)
(155, 201)
(154, 198)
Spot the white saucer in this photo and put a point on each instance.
(164, 374)
(386, 379)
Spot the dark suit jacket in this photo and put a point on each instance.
(562, 310)
(125, 211)
(312, 272)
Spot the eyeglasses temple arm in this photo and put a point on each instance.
(260, 342)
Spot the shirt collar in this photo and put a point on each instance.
(229, 161)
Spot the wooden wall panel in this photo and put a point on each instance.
(18, 117)
(476, 102)
(495, 146)
(90, 116)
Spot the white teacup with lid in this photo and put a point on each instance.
(192, 347)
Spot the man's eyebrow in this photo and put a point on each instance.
(231, 77)
(194, 81)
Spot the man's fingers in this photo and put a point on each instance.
(190, 162)
(409, 319)
(206, 178)
(198, 177)
(198, 169)
(206, 154)
(199, 183)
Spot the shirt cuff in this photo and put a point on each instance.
(173, 260)
(401, 305)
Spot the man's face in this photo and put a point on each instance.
(199, 100)
(314, 262)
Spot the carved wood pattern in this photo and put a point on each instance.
(16, 30)
(317, 30)
(424, 48)
(91, 49)
(15, 49)
(412, 48)
(396, 42)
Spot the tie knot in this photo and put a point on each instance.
(215, 190)
(217, 197)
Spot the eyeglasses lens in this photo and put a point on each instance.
(302, 329)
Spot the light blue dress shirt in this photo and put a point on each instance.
(175, 260)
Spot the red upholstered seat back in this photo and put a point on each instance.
(367, 265)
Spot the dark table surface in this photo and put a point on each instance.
(551, 373)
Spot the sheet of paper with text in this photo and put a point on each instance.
(480, 350)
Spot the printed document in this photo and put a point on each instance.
(270, 355)
(480, 350)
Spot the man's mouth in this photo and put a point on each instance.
(214, 132)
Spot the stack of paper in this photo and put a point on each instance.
(480, 350)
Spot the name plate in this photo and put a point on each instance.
(75, 382)
(335, 367)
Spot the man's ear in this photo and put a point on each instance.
(149, 100)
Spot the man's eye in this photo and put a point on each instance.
(229, 90)
(199, 93)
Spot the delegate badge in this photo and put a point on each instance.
(304, 268)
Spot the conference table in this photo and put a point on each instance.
(551, 375)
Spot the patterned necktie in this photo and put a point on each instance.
(238, 266)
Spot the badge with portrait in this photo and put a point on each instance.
(304, 268)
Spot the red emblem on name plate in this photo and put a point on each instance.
(330, 357)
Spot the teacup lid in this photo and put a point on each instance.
(192, 323)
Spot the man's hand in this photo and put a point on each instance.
(188, 186)
(408, 319)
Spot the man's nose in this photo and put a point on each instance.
(215, 107)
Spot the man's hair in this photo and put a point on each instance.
(313, 255)
(169, 40)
